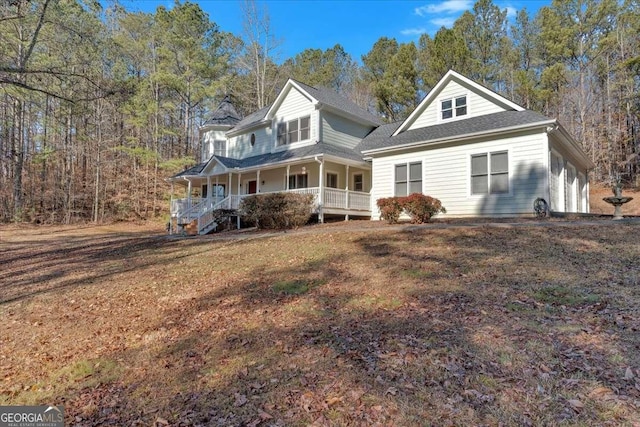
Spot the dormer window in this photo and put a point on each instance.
(294, 130)
(454, 107)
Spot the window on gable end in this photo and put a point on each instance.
(447, 110)
(461, 106)
(454, 107)
(282, 133)
(305, 128)
(292, 134)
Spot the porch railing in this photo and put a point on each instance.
(187, 210)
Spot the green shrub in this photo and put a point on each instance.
(418, 206)
(421, 208)
(277, 210)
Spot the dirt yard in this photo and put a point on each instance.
(333, 325)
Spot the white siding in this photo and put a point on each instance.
(296, 105)
(341, 131)
(446, 176)
(207, 142)
(477, 105)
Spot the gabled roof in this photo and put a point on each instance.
(444, 81)
(387, 137)
(224, 115)
(332, 99)
(324, 97)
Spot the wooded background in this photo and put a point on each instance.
(98, 106)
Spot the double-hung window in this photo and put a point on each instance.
(294, 130)
(490, 173)
(297, 181)
(219, 147)
(408, 178)
(332, 180)
(358, 182)
(454, 107)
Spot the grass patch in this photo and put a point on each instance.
(295, 287)
(562, 295)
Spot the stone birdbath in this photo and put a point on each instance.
(617, 200)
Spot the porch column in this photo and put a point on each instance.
(258, 181)
(321, 195)
(215, 192)
(239, 186)
(171, 211)
(209, 189)
(346, 187)
(189, 194)
(287, 178)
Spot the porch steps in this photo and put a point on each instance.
(209, 228)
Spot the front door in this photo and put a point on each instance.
(252, 187)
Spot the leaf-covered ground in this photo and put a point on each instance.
(359, 324)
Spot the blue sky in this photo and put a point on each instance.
(355, 24)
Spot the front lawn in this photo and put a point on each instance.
(333, 325)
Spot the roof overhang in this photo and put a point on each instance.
(571, 145)
(255, 125)
(457, 138)
(283, 94)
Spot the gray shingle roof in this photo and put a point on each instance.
(325, 96)
(333, 99)
(381, 137)
(280, 156)
(252, 119)
(225, 114)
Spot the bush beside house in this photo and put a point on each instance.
(277, 210)
(419, 207)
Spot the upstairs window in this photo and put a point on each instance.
(294, 130)
(490, 173)
(282, 133)
(219, 148)
(454, 107)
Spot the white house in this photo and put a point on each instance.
(479, 153)
(304, 142)
(476, 151)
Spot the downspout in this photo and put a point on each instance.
(321, 185)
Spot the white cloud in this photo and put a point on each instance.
(447, 6)
(511, 12)
(413, 32)
(443, 22)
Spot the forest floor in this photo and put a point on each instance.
(534, 323)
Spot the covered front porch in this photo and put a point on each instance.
(338, 188)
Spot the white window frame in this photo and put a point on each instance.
(454, 107)
(286, 134)
(326, 181)
(361, 175)
(297, 179)
(408, 180)
(220, 147)
(489, 173)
